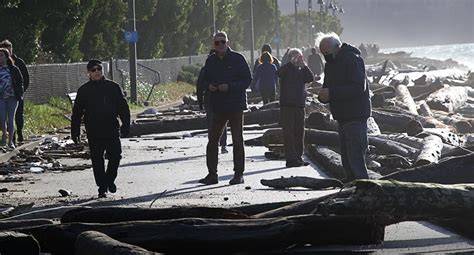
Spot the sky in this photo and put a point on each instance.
(401, 23)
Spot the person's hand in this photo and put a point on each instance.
(323, 95)
(300, 61)
(212, 88)
(223, 87)
(76, 138)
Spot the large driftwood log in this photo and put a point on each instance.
(446, 135)
(404, 97)
(463, 125)
(430, 151)
(11, 224)
(164, 126)
(414, 142)
(404, 122)
(324, 121)
(328, 159)
(206, 235)
(424, 109)
(448, 99)
(420, 90)
(302, 181)
(118, 214)
(13, 243)
(50, 213)
(449, 170)
(331, 139)
(389, 202)
(96, 243)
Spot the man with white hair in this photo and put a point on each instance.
(293, 77)
(346, 90)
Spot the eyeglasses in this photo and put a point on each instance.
(95, 69)
(217, 43)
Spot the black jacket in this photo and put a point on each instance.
(233, 70)
(100, 103)
(17, 82)
(348, 88)
(292, 84)
(24, 71)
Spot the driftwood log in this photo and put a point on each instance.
(446, 135)
(302, 181)
(13, 243)
(404, 97)
(413, 142)
(424, 109)
(462, 125)
(210, 235)
(448, 99)
(430, 152)
(328, 159)
(418, 91)
(11, 224)
(451, 170)
(119, 214)
(389, 202)
(96, 243)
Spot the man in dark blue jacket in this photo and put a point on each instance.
(346, 90)
(226, 77)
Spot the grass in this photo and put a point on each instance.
(47, 118)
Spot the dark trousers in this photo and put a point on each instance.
(268, 95)
(209, 115)
(354, 142)
(19, 119)
(292, 123)
(113, 148)
(219, 121)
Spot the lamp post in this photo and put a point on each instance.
(296, 23)
(277, 29)
(132, 48)
(252, 57)
(310, 32)
(213, 19)
(321, 5)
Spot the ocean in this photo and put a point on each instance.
(462, 53)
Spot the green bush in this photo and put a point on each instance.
(189, 73)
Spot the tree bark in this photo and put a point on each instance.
(430, 151)
(450, 170)
(211, 235)
(301, 181)
(119, 214)
(13, 243)
(93, 242)
(403, 94)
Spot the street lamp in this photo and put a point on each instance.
(321, 4)
(213, 17)
(296, 22)
(310, 31)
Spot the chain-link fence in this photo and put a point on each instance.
(57, 80)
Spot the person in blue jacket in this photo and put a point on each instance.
(266, 78)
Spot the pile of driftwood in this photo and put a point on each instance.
(356, 215)
(43, 158)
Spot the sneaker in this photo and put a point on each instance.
(209, 179)
(224, 150)
(238, 179)
(102, 195)
(102, 192)
(112, 188)
(11, 145)
(293, 163)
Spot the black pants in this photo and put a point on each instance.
(268, 95)
(113, 148)
(219, 121)
(19, 119)
(292, 123)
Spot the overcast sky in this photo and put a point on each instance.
(400, 23)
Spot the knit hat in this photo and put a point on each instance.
(92, 63)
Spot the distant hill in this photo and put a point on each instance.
(401, 23)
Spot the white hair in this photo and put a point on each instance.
(332, 37)
(293, 51)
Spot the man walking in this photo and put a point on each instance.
(226, 77)
(19, 118)
(293, 77)
(346, 90)
(100, 102)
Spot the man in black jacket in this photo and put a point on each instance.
(293, 78)
(346, 90)
(226, 77)
(19, 118)
(100, 102)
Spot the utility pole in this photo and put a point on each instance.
(213, 18)
(132, 52)
(296, 23)
(252, 57)
(277, 30)
(310, 30)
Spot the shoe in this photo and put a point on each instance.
(112, 188)
(224, 150)
(293, 163)
(304, 163)
(102, 192)
(238, 179)
(102, 195)
(209, 179)
(11, 145)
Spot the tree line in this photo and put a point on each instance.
(46, 31)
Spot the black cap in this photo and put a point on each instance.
(93, 62)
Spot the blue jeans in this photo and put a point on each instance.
(354, 142)
(7, 114)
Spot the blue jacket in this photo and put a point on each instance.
(266, 76)
(233, 70)
(348, 88)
